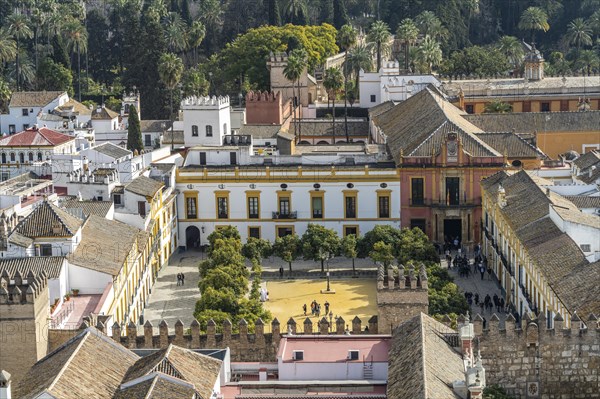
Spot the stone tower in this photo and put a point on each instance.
(400, 296)
(24, 312)
(534, 64)
(206, 120)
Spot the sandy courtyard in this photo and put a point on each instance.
(353, 297)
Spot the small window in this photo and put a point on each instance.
(373, 98)
(384, 206)
(284, 231)
(3, 157)
(417, 191)
(46, 250)
(100, 198)
(545, 107)
(254, 232)
(317, 207)
(353, 355)
(350, 230)
(586, 247)
(223, 208)
(419, 223)
(30, 156)
(208, 131)
(12, 129)
(233, 158)
(12, 157)
(252, 207)
(39, 156)
(25, 126)
(25, 112)
(191, 212)
(117, 199)
(350, 204)
(470, 109)
(147, 140)
(21, 157)
(202, 158)
(195, 131)
(298, 355)
(142, 208)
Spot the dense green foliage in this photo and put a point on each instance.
(495, 392)
(117, 44)
(224, 283)
(134, 131)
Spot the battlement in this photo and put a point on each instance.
(214, 101)
(15, 290)
(279, 56)
(263, 96)
(403, 278)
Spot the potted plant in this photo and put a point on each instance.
(67, 297)
(75, 291)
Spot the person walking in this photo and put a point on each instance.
(182, 278)
(326, 307)
(482, 271)
(304, 309)
(178, 279)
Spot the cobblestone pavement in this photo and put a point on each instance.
(171, 302)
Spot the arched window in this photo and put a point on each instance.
(30, 156)
(21, 157)
(225, 128)
(39, 156)
(194, 131)
(3, 157)
(208, 131)
(12, 157)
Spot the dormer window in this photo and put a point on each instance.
(194, 131)
(25, 112)
(209, 131)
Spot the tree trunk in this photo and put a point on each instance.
(172, 123)
(294, 111)
(353, 268)
(36, 53)
(300, 106)
(322, 266)
(78, 74)
(290, 265)
(333, 112)
(17, 64)
(346, 107)
(406, 53)
(378, 56)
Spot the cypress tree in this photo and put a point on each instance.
(274, 15)
(340, 15)
(134, 131)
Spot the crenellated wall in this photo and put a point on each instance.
(527, 357)
(400, 295)
(266, 108)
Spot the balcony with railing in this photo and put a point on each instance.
(445, 204)
(286, 215)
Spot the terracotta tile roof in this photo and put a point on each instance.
(154, 125)
(145, 186)
(33, 137)
(381, 108)
(51, 265)
(422, 364)
(590, 178)
(90, 365)
(588, 159)
(157, 386)
(578, 217)
(105, 245)
(580, 289)
(529, 122)
(511, 144)
(419, 125)
(112, 150)
(48, 220)
(200, 370)
(98, 208)
(104, 114)
(33, 98)
(75, 106)
(584, 201)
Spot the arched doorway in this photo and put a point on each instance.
(192, 237)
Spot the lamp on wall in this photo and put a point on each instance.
(202, 229)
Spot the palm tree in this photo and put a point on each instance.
(512, 49)
(8, 47)
(594, 22)
(346, 38)
(76, 37)
(407, 33)
(532, 19)
(170, 69)
(380, 36)
(4, 95)
(196, 33)
(430, 25)
(579, 33)
(588, 61)
(25, 74)
(359, 58)
(429, 53)
(497, 107)
(18, 29)
(296, 11)
(293, 71)
(333, 83)
(175, 33)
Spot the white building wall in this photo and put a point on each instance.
(15, 115)
(87, 281)
(309, 371)
(333, 217)
(58, 288)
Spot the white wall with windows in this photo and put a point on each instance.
(205, 120)
(23, 117)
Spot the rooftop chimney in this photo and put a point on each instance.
(5, 385)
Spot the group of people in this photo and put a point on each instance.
(315, 308)
(488, 302)
(180, 279)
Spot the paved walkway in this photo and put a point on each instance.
(171, 302)
(476, 285)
